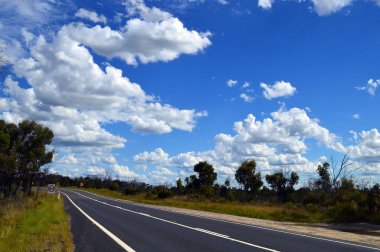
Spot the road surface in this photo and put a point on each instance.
(105, 224)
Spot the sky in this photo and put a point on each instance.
(145, 90)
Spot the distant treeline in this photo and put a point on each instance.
(24, 151)
(332, 192)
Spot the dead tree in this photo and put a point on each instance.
(340, 171)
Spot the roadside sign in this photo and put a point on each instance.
(81, 184)
(51, 188)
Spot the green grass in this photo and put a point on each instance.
(27, 224)
(287, 212)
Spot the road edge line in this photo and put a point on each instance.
(106, 231)
(237, 223)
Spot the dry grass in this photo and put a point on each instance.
(288, 212)
(27, 224)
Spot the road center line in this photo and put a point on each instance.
(241, 224)
(181, 225)
(106, 231)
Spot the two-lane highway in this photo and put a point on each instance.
(105, 224)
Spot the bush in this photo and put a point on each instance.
(131, 190)
(114, 186)
(164, 193)
(344, 212)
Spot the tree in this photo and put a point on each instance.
(8, 156)
(333, 175)
(204, 181)
(247, 176)
(23, 152)
(324, 180)
(283, 183)
(206, 174)
(32, 150)
(179, 187)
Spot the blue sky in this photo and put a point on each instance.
(146, 89)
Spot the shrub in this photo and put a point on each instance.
(164, 193)
(344, 212)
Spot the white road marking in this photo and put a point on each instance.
(238, 223)
(181, 225)
(111, 235)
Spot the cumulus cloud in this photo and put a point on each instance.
(356, 116)
(164, 37)
(91, 15)
(65, 78)
(367, 148)
(273, 142)
(245, 85)
(58, 83)
(265, 4)
(231, 83)
(371, 86)
(246, 97)
(124, 172)
(321, 7)
(327, 7)
(96, 171)
(279, 89)
(154, 157)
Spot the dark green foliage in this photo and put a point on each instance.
(180, 188)
(324, 181)
(113, 186)
(164, 193)
(247, 176)
(283, 183)
(202, 183)
(23, 151)
(206, 174)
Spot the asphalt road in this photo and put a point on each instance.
(104, 224)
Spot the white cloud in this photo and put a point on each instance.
(371, 86)
(164, 37)
(265, 4)
(223, 2)
(245, 85)
(64, 89)
(327, 7)
(65, 78)
(91, 15)
(157, 156)
(321, 7)
(273, 142)
(124, 172)
(33, 15)
(367, 148)
(231, 83)
(279, 89)
(356, 116)
(96, 171)
(246, 97)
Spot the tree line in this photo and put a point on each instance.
(338, 196)
(25, 150)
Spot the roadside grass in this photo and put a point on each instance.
(286, 212)
(27, 224)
